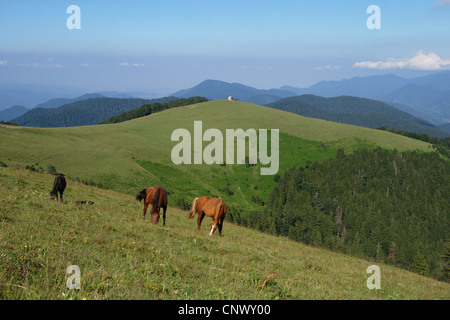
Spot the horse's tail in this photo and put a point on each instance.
(193, 208)
(156, 197)
(141, 195)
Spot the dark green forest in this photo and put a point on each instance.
(356, 111)
(378, 204)
(150, 108)
(81, 113)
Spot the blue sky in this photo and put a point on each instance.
(166, 45)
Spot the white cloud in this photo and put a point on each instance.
(84, 65)
(327, 67)
(421, 61)
(126, 64)
(3, 63)
(40, 65)
(441, 3)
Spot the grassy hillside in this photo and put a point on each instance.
(123, 257)
(129, 156)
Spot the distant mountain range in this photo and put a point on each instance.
(426, 97)
(216, 90)
(80, 113)
(16, 111)
(12, 112)
(32, 95)
(356, 111)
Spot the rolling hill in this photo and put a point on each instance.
(357, 111)
(122, 257)
(131, 155)
(81, 112)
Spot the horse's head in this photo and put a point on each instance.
(213, 228)
(52, 195)
(155, 217)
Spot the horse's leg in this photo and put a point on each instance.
(164, 215)
(155, 215)
(61, 196)
(145, 208)
(201, 215)
(220, 225)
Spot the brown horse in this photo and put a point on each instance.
(157, 197)
(59, 185)
(212, 207)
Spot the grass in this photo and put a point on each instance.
(132, 155)
(123, 257)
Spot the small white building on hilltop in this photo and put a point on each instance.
(230, 98)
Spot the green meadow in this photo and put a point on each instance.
(121, 256)
(132, 155)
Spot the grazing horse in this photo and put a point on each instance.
(157, 197)
(59, 185)
(212, 207)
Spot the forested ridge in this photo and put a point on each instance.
(150, 108)
(378, 204)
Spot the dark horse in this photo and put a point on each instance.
(157, 197)
(59, 185)
(212, 207)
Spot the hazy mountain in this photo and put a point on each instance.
(427, 96)
(432, 103)
(215, 90)
(445, 126)
(12, 112)
(29, 95)
(80, 113)
(357, 111)
(372, 87)
(55, 103)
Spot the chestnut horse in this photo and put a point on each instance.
(157, 197)
(212, 207)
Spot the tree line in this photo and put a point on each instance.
(441, 145)
(376, 204)
(150, 108)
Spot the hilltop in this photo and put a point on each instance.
(123, 257)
